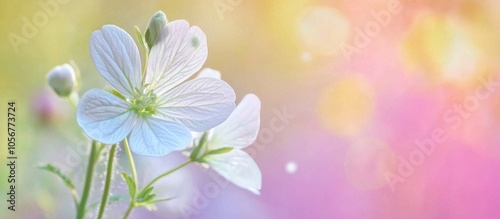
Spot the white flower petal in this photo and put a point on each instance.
(116, 57)
(241, 128)
(210, 73)
(105, 117)
(178, 54)
(237, 167)
(199, 104)
(157, 137)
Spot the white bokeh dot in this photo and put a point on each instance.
(291, 167)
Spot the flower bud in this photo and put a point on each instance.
(62, 79)
(155, 26)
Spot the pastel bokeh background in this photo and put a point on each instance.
(371, 109)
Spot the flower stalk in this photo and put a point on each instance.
(130, 161)
(107, 184)
(95, 152)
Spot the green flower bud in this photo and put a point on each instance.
(155, 26)
(62, 79)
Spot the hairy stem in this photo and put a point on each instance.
(93, 157)
(107, 184)
(129, 210)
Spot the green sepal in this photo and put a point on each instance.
(131, 185)
(160, 200)
(141, 40)
(145, 195)
(219, 151)
(196, 150)
(149, 197)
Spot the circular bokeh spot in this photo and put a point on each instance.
(291, 167)
(346, 107)
(439, 47)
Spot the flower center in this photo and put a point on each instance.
(145, 104)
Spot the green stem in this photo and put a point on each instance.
(131, 162)
(93, 157)
(129, 210)
(164, 174)
(146, 58)
(134, 176)
(107, 184)
(73, 98)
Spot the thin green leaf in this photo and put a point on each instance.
(145, 194)
(220, 151)
(140, 38)
(146, 191)
(160, 200)
(131, 185)
(67, 181)
(150, 205)
(149, 197)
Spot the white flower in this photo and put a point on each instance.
(157, 110)
(237, 132)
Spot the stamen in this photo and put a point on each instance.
(144, 105)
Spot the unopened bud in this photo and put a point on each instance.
(155, 26)
(62, 79)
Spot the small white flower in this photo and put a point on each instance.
(237, 132)
(157, 110)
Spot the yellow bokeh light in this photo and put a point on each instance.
(347, 106)
(438, 46)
